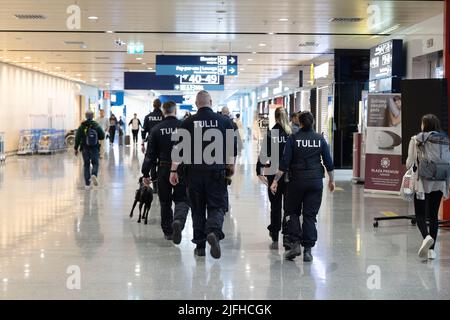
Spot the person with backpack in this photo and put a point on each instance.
(87, 140)
(429, 156)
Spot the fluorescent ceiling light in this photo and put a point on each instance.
(262, 44)
(271, 33)
(109, 31)
(139, 58)
(93, 18)
(283, 19)
(250, 59)
(27, 58)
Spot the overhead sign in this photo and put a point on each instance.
(196, 65)
(135, 48)
(151, 81)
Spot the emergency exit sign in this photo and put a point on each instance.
(135, 48)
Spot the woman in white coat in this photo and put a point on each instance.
(428, 193)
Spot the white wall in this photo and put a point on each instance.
(24, 93)
(415, 39)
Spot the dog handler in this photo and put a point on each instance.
(159, 154)
(303, 156)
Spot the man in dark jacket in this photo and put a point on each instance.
(87, 140)
(152, 119)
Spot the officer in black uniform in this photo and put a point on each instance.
(303, 156)
(208, 161)
(267, 166)
(151, 120)
(159, 154)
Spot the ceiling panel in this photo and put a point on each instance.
(266, 46)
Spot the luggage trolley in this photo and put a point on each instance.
(2, 147)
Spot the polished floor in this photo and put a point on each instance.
(50, 227)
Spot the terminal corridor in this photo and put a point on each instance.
(49, 224)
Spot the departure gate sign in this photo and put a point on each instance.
(168, 65)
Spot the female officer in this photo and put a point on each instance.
(303, 156)
(274, 140)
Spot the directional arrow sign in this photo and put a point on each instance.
(196, 65)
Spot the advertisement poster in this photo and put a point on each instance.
(384, 169)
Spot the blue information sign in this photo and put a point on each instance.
(151, 81)
(197, 65)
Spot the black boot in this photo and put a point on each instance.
(294, 252)
(307, 256)
(176, 226)
(200, 252)
(215, 246)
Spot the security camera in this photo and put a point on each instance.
(387, 140)
(119, 42)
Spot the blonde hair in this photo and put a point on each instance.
(281, 117)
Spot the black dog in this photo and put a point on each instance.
(144, 195)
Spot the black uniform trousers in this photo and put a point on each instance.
(277, 204)
(207, 192)
(168, 194)
(304, 198)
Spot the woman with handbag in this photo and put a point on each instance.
(428, 190)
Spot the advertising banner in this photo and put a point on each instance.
(384, 169)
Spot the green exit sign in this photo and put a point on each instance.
(135, 48)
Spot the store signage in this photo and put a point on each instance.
(322, 71)
(135, 48)
(386, 60)
(384, 169)
(196, 65)
(151, 81)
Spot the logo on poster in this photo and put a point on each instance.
(385, 163)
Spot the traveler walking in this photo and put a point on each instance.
(103, 122)
(87, 140)
(135, 124)
(429, 149)
(303, 156)
(112, 128)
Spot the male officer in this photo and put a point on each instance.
(159, 153)
(209, 151)
(303, 157)
(151, 120)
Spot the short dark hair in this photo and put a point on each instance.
(157, 103)
(238, 115)
(169, 107)
(306, 120)
(431, 123)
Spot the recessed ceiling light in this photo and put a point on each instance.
(78, 74)
(250, 59)
(93, 18)
(27, 58)
(139, 58)
(57, 68)
(242, 69)
(254, 52)
(150, 68)
(271, 33)
(109, 31)
(283, 19)
(262, 44)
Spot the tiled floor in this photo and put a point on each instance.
(49, 225)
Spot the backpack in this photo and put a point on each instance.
(434, 157)
(91, 136)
